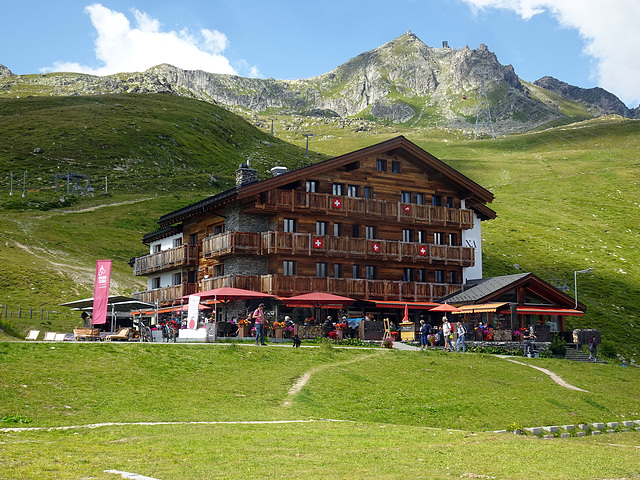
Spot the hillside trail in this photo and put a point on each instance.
(302, 381)
(553, 376)
(96, 207)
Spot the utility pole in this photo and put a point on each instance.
(306, 152)
(24, 185)
(483, 113)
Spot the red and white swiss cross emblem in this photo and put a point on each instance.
(407, 208)
(317, 243)
(422, 250)
(375, 247)
(337, 203)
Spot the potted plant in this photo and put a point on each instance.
(340, 328)
(432, 339)
(387, 343)
(278, 328)
(243, 327)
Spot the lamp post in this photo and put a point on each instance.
(575, 283)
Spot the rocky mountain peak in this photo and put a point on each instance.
(5, 72)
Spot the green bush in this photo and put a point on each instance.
(558, 346)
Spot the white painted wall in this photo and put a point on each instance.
(473, 238)
(166, 278)
(165, 243)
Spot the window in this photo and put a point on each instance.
(422, 275)
(420, 198)
(215, 229)
(438, 238)
(422, 236)
(453, 239)
(370, 272)
(355, 231)
(313, 186)
(450, 202)
(337, 229)
(321, 228)
(405, 197)
(439, 276)
(453, 277)
(155, 282)
(177, 242)
(370, 232)
(288, 267)
(338, 189)
(193, 239)
(381, 165)
(355, 271)
(407, 276)
(407, 235)
(177, 278)
(157, 248)
(289, 225)
(192, 276)
(436, 200)
(368, 192)
(395, 167)
(321, 269)
(218, 270)
(337, 270)
(353, 190)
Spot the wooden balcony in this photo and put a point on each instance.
(272, 243)
(340, 205)
(166, 260)
(166, 294)
(362, 289)
(231, 243)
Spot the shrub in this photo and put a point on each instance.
(558, 346)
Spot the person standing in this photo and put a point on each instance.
(424, 332)
(593, 348)
(447, 332)
(258, 317)
(461, 331)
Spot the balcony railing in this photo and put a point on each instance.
(166, 260)
(270, 243)
(166, 294)
(298, 201)
(363, 289)
(231, 243)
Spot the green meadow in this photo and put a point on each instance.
(230, 411)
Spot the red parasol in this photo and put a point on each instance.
(405, 319)
(318, 299)
(445, 307)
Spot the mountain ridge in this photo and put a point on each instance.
(404, 82)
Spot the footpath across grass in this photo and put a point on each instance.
(375, 413)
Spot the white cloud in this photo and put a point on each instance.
(119, 47)
(608, 29)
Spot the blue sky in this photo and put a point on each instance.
(582, 42)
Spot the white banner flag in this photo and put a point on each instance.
(192, 315)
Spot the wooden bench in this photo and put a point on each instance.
(86, 333)
(124, 334)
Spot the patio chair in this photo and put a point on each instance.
(122, 334)
(50, 336)
(33, 335)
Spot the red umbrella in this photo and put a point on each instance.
(445, 307)
(228, 294)
(317, 299)
(405, 319)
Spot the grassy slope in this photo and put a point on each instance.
(397, 406)
(566, 198)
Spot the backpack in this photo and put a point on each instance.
(462, 330)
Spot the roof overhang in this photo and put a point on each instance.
(544, 310)
(410, 305)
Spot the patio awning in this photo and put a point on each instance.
(410, 305)
(480, 308)
(533, 310)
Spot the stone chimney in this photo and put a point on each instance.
(245, 175)
(275, 171)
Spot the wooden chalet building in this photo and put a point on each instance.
(387, 222)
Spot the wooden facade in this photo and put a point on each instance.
(388, 222)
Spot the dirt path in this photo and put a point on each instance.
(302, 381)
(553, 376)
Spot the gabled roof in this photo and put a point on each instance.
(399, 146)
(487, 290)
(475, 195)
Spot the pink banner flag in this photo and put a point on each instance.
(101, 291)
